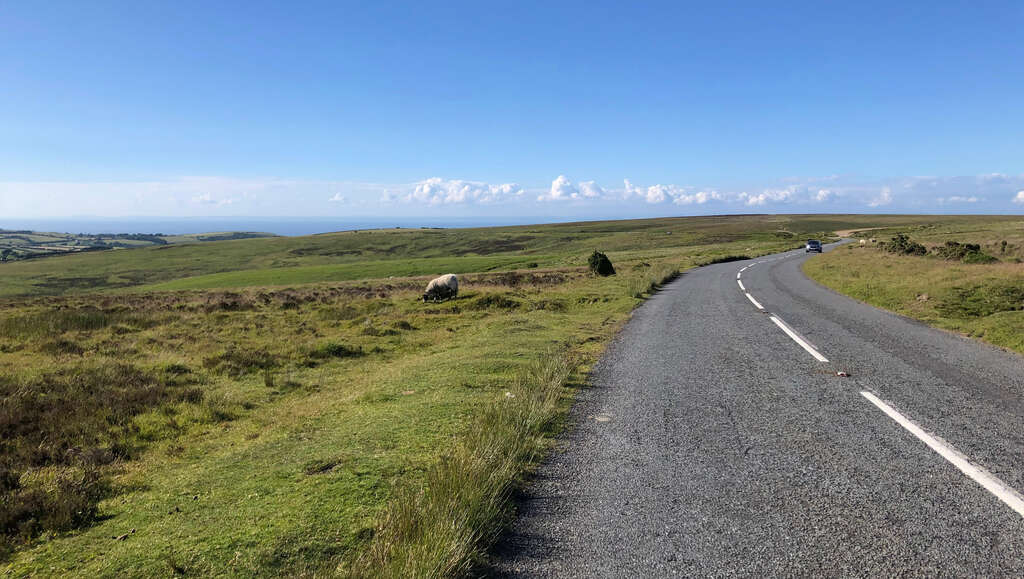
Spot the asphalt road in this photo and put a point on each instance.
(713, 444)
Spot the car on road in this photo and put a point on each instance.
(812, 245)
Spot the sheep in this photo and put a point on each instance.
(442, 288)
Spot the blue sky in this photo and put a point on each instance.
(584, 109)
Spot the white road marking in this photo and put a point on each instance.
(810, 349)
(743, 269)
(741, 285)
(753, 301)
(992, 484)
(738, 275)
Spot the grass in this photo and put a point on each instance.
(246, 424)
(982, 300)
(382, 253)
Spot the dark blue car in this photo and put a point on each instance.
(813, 245)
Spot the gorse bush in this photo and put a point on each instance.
(600, 264)
(903, 245)
(966, 252)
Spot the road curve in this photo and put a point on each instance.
(713, 443)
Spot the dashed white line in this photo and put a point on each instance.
(989, 481)
(741, 285)
(738, 275)
(789, 332)
(753, 301)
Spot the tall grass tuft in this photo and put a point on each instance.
(649, 281)
(443, 528)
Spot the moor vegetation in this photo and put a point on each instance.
(965, 277)
(294, 408)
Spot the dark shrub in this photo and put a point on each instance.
(600, 264)
(903, 245)
(335, 350)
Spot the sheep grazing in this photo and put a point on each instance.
(442, 288)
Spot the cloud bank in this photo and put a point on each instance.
(212, 196)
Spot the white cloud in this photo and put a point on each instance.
(437, 191)
(679, 195)
(700, 197)
(958, 199)
(279, 197)
(884, 198)
(767, 196)
(590, 190)
(561, 189)
(209, 199)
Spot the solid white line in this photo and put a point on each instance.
(979, 475)
(741, 285)
(753, 301)
(810, 349)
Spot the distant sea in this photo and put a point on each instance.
(283, 226)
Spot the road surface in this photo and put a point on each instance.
(718, 440)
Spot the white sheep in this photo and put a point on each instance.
(442, 288)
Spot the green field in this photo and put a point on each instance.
(288, 405)
(18, 245)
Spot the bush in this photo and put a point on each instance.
(903, 245)
(600, 264)
(335, 350)
(966, 252)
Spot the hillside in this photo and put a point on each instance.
(16, 245)
(382, 253)
(293, 408)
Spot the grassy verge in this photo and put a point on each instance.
(984, 301)
(442, 528)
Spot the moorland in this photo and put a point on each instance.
(289, 406)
